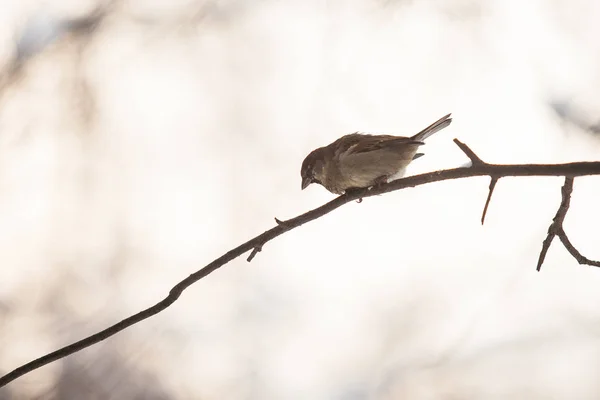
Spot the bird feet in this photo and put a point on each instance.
(351, 191)
(379, 182)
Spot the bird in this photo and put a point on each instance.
(358, 160)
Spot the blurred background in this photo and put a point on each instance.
(140, 139)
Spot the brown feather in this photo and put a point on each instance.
(433, 128)
(369, 143)
(361, 160)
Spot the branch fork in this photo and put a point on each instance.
(478, 162)
(556, 227)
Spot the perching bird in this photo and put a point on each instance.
(358, 160)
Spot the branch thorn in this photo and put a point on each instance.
(475, 160)
(280, 222)
(493, 182)
(254, 252)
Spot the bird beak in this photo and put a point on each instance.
(306, 182)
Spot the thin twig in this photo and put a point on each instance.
(254, 252)
(559, 229)
(478, 168)
(556, 227)
(493, 182)
(475, 160)
(581, 259)
(545, 246)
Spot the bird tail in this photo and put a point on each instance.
(433, 128)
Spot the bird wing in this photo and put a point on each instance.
(356, 143)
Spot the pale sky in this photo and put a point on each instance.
(136, 153)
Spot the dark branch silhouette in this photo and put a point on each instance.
(556, 229)
(255, 245)
(493, 182)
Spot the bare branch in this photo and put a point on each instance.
(557, 229)
(478, 168)
(581, 259)
(556, 225)
(280, 222)
(545, 246)
(254, 252)
(493, 182)
(475, 160)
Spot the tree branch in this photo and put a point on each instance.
(257, 249)
(478, 168)
(493, 182)
(556, 226)
(475, 160)
(557, 229)
(575, 253)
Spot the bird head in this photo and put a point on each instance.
(312, 170)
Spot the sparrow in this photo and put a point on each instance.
(358, 160)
